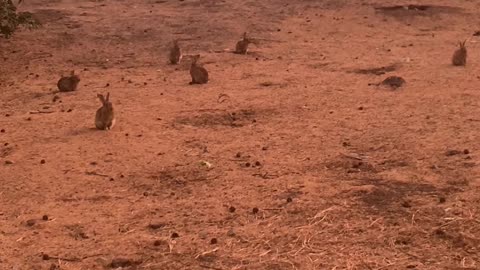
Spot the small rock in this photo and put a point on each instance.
(231, 209)
(231, 233)
(247, 164)
(257, 163)
(45, 217)
(2, 130)
(452, 153)
(466, 151)
(214, 241)
(8, 162)
(175, 235)
(45, 257)
(442, 199)
(121, 262)
(394, 82)
(156, 226)
(406, 204)
(42, 161)
(238, 155)
(255, 210)
(289, 200)
(30, 222)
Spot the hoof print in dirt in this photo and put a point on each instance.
(393, 82)
(122, 262)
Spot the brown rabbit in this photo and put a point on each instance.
(105, 118)
(199, 74)
(175, 55)
(242, 45)
(68, 83)
(459, 57)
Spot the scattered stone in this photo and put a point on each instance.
(8, 162)
(42, 161)
(466, 151)
(30, 222)
(247, 164)
(214, 241)
(45, 217)
(394, 82)
(45, 257)
(231, 233)
(406, 204)
(442, 199)
(238, 155)
(122, 262)
(175, 235)
(289, 200)
(450, 153)
(255, 210)
(257, 163)
(156, 226)
(231, 209)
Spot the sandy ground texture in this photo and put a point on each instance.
(291, 157)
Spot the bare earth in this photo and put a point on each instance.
(289, 158)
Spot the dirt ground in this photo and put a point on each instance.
(289, 158)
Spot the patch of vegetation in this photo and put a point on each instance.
(10, 19)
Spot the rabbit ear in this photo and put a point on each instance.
(102, 99)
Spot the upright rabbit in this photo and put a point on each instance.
(242, 45)
(199, 74)
(68, 83)
(104, 118)
(175, 55)
(459, 57)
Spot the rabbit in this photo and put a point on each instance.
(105, 118)
(68, 83)
(459, 57)
(175, 55)
(199, 74)
(242, 45)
